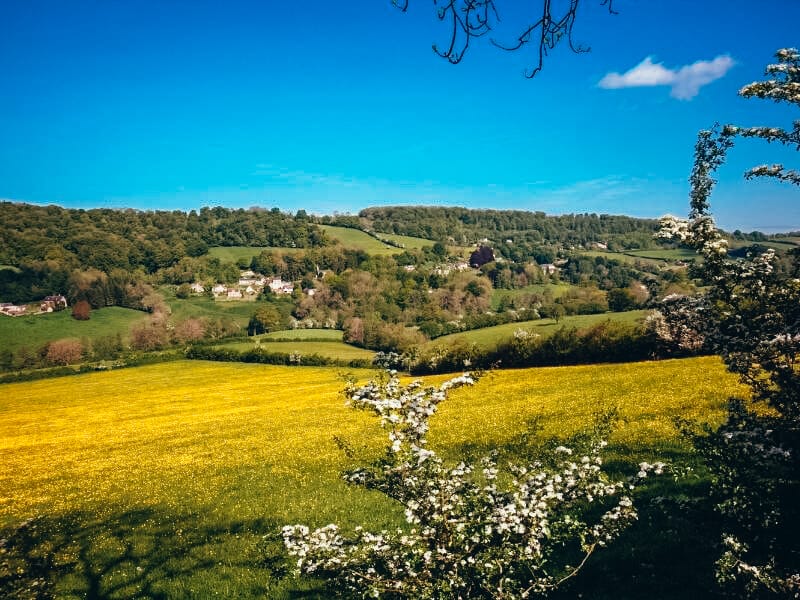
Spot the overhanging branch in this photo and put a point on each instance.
(469, 19)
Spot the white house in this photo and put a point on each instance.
(219, 289)
(198, 288)
(234, 294)
(549, 268)
(13, 311)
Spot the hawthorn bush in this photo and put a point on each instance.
(750, 316)
(482, 530)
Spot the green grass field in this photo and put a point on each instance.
(34, 331)
(782, 244)
(205, 307)
(173, 480)
(358, 240)
(625, 258)
(236, 253)
(350, 238)
(557, 289)
(671, 254)
(407, 241)
(332, 335)
(489, 336)
(653, 257)
(328, 349)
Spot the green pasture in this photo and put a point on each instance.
(408, 241)
(782, 244)
(331, 335)
(658, 256)
(358, 240)
(328, 349)
(666, 254)
(236, 253)
(556, 289)
(489, 336)
(625, 258)
(173, 480)
(239, 311)
(33, 331)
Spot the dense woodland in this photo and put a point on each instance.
(529, 232)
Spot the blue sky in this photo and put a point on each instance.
(335, 106)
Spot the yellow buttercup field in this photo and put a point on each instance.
(173, 479)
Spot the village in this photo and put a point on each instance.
(248, 287)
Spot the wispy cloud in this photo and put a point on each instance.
(685, 81)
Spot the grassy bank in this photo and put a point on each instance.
(489, 336)
(35, 330)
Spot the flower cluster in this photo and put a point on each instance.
(473, 530)
(678, 324)
(750, 316)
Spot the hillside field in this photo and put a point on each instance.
(358, 240)
(173, 480)
(236, 253)
(407, 240)
(557, 289)
(488, 336)
(238, 311)
(327, 348)
(331, 335)
(33, 331)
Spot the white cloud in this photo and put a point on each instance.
(685, 81)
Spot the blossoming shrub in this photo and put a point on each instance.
(474, 531)
(750, 315)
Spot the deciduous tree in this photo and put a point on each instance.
(64, 352)
(81, 310)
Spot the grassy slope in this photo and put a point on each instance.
(656, 257)
(330, 349)
(234, 253)
(350, 238)
(779, 244)
(334, 335)
(172, 480)
(557, 289)
(354, 238)
(34, 330)
(203, 306)
(408, 241)
(491, 335)
(665, 254)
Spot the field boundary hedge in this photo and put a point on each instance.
(262, 356)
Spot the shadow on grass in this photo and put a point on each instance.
(145, 553)
(669, 553)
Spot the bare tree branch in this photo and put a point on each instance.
(470, 19)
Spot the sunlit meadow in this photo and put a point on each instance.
(172, 480)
